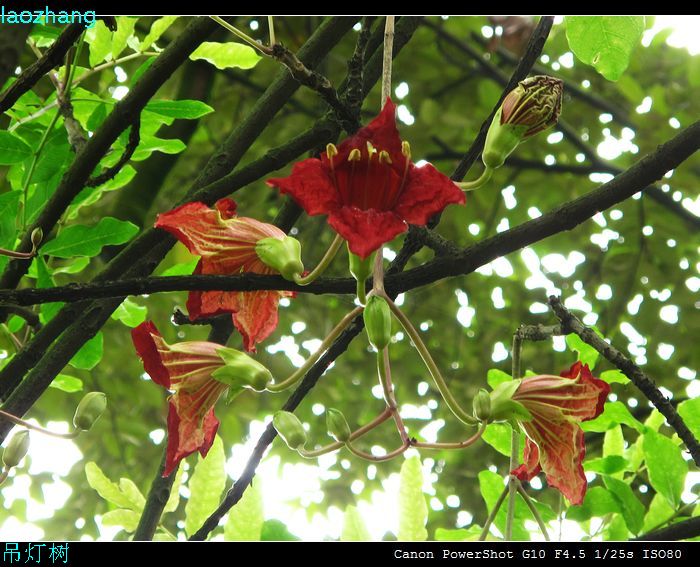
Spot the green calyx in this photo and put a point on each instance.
(482, 406)
(290, 429)
(337, 425)
(282, 255)
(241, 371)
(503, 407)
(89, 410)
(377, 316)
(16, 449)
(501, 140)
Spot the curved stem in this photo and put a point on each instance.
(384, 371)
(378, 272)
(534, 511)
(18, 421)
(299, 373)
(245, 37)
(381, 418)
(450, 400)
(460, 445)
(375, 458)
(323, 264)
(514, 444)
(271, 29)
(473, 185)
(361, 294)
(387, 59)
(492, 515)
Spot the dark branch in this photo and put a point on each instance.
(639, 378)
(131, 145)
(675, 532)
(157, 498)
(52, 57)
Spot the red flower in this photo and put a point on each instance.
(185, 368)
(226, 244)
(369, 187)
(555, 441)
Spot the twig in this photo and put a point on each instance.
(639, 378)
(111, 172)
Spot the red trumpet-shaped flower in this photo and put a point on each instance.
(187, 369)
(555, 442)
(227, 244)
(369, 187)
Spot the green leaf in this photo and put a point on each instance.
(605, 42)
(150, 144)
(491, 486)
(125, 28)
(66, 383)
(606, 465)
(13, 149)
(130, 313)
(82, 240)
(245, 520)
(127, 519)
(100, 40)
(184, 269)
(413, 512)
(614, 414)
(9, 203)
(614, 377)
(187, 109)
(613, 442)
(72, 266)
(494, 377)
(655, 420)
(226, 55)
(107, 489)
(354, 528)
(43, 281)
(89, 354)
(174, 498)
(665, 465)
(132, 493)
(206, 485)
(471, 533)
(498, 435)
(586, 353)
(158, 28)
(630, 506)
(616, 530)
(274, 530)
(54, 158)
(689, 410)
(659, 512)
(96, 118)
(597, 503)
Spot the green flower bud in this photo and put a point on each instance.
(281, 254)
(337, 425)
(482, 406)
(16, 449)
(90, 408)
(377, 316)
(290, 429)
(241, 371)
(534, 105)
(37, 237)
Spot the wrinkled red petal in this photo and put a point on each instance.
(186, 436)
(531, 465)
(310, 185)
(381, 133)
(226, 207)
(147, 339)
(427, 192)
(366, 231)
(592, 382)
(255, 315)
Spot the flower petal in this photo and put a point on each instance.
(427, 192)
(531, 462)
(185, 436)
(149, 343)
(381, 133)
(255, 315)
(367, 230)
(310, 185)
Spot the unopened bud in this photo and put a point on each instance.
(377, 316)
(482, 406)
(337, 425)
(534, 105)
(90, 408)
(16, 449)
(241, 371)
(281, 254)
(360, 268)
(290, 429)
(37, 237)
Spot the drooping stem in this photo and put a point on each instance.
(514, 443)
(459, 445)
(378, 272)
(245, 37)
(377, 458)
(388, 59)
(18, 421)
(384, 371)
(473, 185)
(492, 515)
(381, 418)
(534, 511)
(445, 392)
(323, 263)
(299, 373)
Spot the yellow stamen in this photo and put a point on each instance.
(384, 157)
(371, 150)
(406, 149)
(354, 155)
(331, 151)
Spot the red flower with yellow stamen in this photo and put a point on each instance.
(369, 187)
(186, 368)
(555, 441)
(227, 244)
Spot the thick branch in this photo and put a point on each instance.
(158, 496)
(643, 382)
(675, 532)
(52, 57)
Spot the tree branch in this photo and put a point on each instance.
(643, 382)
(131, 145)
(675, 532)
(52, 57)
